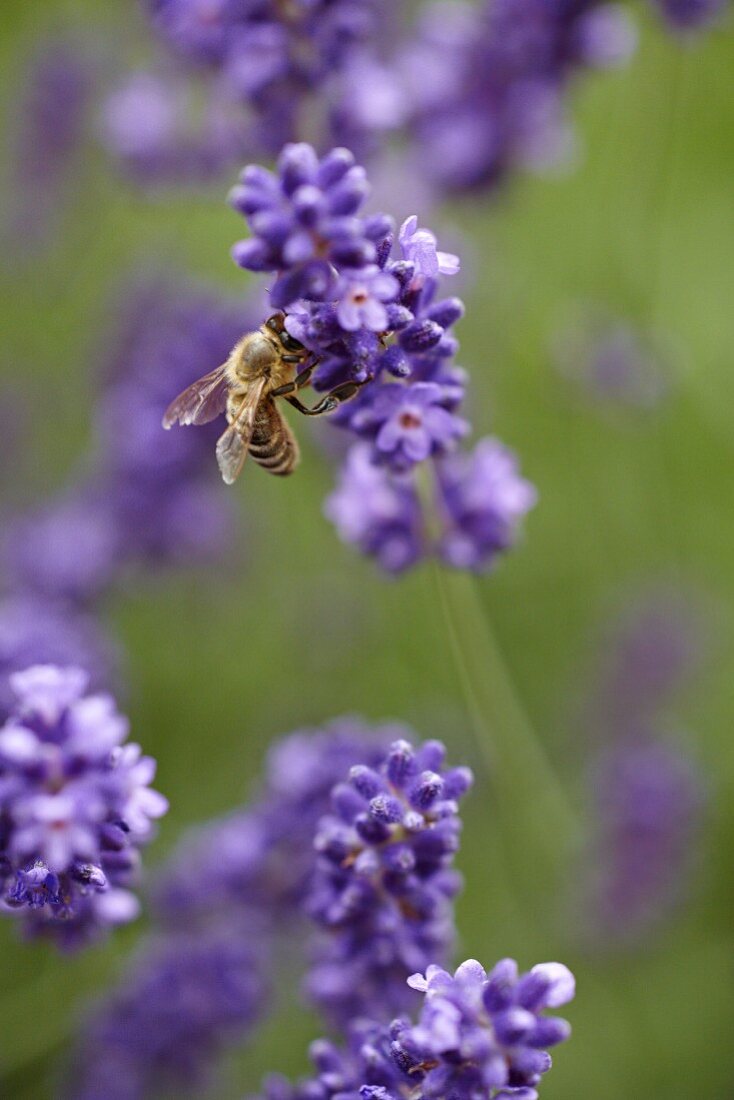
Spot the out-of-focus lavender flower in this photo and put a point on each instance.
(150, 126)
(187, 998)
(612, 360)
(49, 119)
(67, 550)
(163, 505)
(261, 68)
(487, 82)
(478, 1035)
(485, 499)
(36, 630)
(263, 856)
(479, 500)
(691, 15)
(149, 498)
(377, 512)
(383, 884)
(483, 1034)
(647, 795)
(648, 803)
(75, 806)
(648, 652)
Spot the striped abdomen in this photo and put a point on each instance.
(273, 445)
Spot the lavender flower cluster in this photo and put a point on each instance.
(375, 319)
(647, 792)
(473, 91)
(146, 499)
(477, 1035)
(75, 806)
(354, 832)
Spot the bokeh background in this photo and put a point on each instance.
(635, 497)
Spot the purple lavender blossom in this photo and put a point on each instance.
(75, 806)
(164, 506)
(649, 801)
(148, 124)
(188, 997)
(377, 512)
(691, 15)
(485, 498)
(479, 502)
(37, 631)
(612, 360)
(410, 423)
(478, 1035)
(364, 1069)
(482, 1034)
(263, 855)
(50, 124)
(67, 550)
(419, 247)
(383, 885)
(648, 653)
(487, 82)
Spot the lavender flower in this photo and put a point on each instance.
(257, 65)
(691, 15)
(75, 805)
(67, 550)
(649, 801)
(377, 512)
(482, 1034)
(383, 886)
(375, 321)
(362, 1070)
(612, 360)
(50, 124)
(647, 794)
(263, 855)
(163, 505)
(648, 653)
(40, 631)
(479, 1036)
(150, 126)
(487, 82)
(188, 996)
(479, 502)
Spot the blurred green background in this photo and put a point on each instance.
(305, 629)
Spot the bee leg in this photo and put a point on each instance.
(330, 401)
(298, 382)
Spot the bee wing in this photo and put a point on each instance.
(201, 402)
(233, 445)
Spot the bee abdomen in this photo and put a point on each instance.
(273, 445)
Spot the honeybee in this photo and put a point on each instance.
(263, 365)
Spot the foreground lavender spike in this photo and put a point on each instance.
(383, 886)
(479, 1036)
(76, 806)
(187, 997)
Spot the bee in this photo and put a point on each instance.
(264, 365)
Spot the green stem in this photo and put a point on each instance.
(525, 785)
